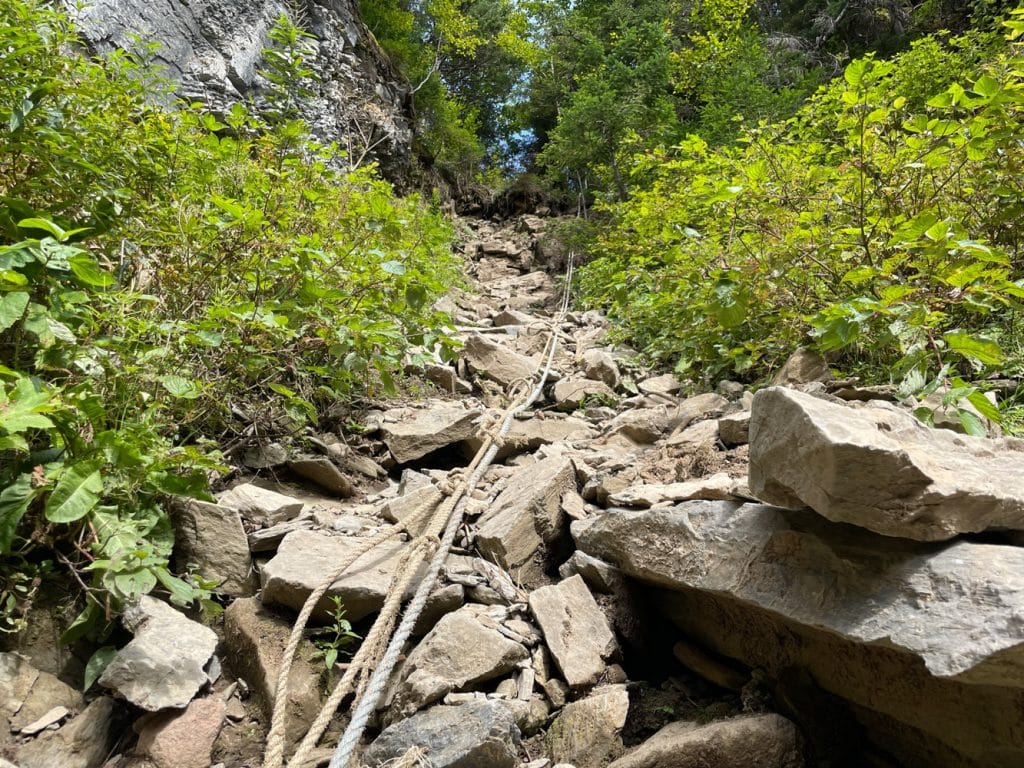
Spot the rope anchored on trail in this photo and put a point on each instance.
(434, 532)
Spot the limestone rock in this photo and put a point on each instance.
(304, 557)
(509, 317)
(400, 507)
(411, 436)
(760, 741)
(570, 393)
(265, 455)
(214, 51)
(27, 693)
(717, 487)
(255, 639)
(473, 735)
(642, 425)
(601, 366)
(183, 739)
(457, 653)
(495, 361)
(704, 406)
(162, 667)
(526, 515)
(804, 366)
(531, 434)
(84, 742)
(734, 429)
(700, 436)
(879, 468)
(586, 733)
(599, 575)
(269, 539)
(261, 505)
(919, 637)
(324, 472)
(575, 630)
(666, 384)
(446, 378)
(212, 537)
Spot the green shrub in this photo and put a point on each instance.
(160, 271)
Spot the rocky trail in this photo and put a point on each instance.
(802, 577)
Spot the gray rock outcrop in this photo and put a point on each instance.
(879, 468)
(214, 51)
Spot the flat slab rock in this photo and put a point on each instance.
(575, 630)
(717, 487)
(457, 653)
(305, 557)
(958, 607)
(760, 741)
(497, 362)
(162, 667)
(473, 735)
(586, 733)
(411, 435)
(879, 468)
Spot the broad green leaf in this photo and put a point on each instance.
(971, 423)
(182, 593)
(12, 307)
(89, 272)
(46, 225)
(855, 71)
(14, 502)
(982, 350)
(393, 267)
(98, 662)
(25, 407)
(77, 492)
(986, 86)
(135, 583)
(179, 386)
(985, 406)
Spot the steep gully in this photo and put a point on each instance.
(616, 597)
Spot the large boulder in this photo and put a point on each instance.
(925, 642)
(497, 362)
(879, 468)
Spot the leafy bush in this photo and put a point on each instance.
(162, 271)
(877, 224)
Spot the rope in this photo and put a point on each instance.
(447, 517)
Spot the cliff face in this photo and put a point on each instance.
(213, 49)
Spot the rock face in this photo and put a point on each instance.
(473, 735)
(762, 741)
(162, 667)
(214, 50)
(942, 621)
(879, 468)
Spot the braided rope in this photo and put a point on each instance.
(448, 516)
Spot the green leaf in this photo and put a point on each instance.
(971, 423)
(179, 386)
(77, 492)
(24, 409)
(98, 662)
(986, 86)
(46, 225)
(982, 350)
(393, 267)
(330, 656)
(12, 307)
(135, 583)
(984, 406)
(14, 502)
(89, 272)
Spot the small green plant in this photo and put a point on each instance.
(335, 638)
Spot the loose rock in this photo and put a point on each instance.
(211, 537)
(412, 436)
(183, 739)
(575, 630)
(497, 362)
(162, 667)
(471, 735)
(762, 741)
(586, 733)
(261, 505)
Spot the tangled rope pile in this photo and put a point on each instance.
(433, 533)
